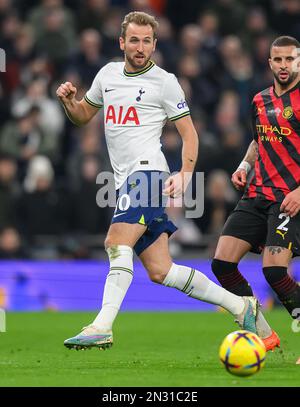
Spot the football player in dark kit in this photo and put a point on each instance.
(267, 218)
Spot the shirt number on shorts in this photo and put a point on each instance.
(123, 202)
(285, 222)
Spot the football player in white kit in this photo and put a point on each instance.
(138, 97)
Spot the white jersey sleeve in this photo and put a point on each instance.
(173, 99)
(94, 95)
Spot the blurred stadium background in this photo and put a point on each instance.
(219, 51)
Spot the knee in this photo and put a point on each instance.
(156, 272)
(108, 242)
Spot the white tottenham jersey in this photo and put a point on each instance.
(136, 107)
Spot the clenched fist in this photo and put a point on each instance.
(66, 92)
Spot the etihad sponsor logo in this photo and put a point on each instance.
(271, 139)
(287, 112)
(276, 130)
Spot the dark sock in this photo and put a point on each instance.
(230, 278)
(287, 290)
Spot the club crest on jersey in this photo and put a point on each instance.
(141, 92)
(119, 115)
(287, 112)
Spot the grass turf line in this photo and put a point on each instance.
(150, 349)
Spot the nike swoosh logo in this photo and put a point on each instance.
(119, 214)
(108, 90)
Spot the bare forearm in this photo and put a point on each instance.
(189, 152)
(252, 153)
(190, 143)
(75, 112)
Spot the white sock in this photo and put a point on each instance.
(196, 285)
(117, 283)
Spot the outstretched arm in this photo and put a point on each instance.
(177, 184)
(79, 112)
(239, 177)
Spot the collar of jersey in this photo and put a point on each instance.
(139, 72)
(288, 91)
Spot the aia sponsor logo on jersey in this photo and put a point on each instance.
(121, 115)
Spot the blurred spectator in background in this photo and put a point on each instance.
(43, 209)
(256, 25)
(227, 113)
(172, 146)
(209, 24)
(188, 234)
(88, 218)
(38, 16)
(240, 78)
(88, 60)
(167, 44)
(140, 5)
(5, 6)
(11, 245)
(180, 16)
(23, 138)
(9, 29)
(56, 40)
(231, 146)
(92, 14)
(111, 32)
(192, 44)
(9, 190)
(50, 119)
(220, 199)
(209, 146)
(231, 15)
(87, 142)
(286, 18)
(260, 56)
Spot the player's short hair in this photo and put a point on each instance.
(139, 18)
(285, 41)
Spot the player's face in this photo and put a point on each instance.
(282, 62)
(138, 46)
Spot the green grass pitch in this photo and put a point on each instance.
(150, 349)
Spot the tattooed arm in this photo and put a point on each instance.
(252, 153)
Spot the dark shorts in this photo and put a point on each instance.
(260, 223)
(140, 200)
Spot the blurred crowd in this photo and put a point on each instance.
(219, 51)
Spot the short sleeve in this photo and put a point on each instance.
(94, 95)
(173, 99)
